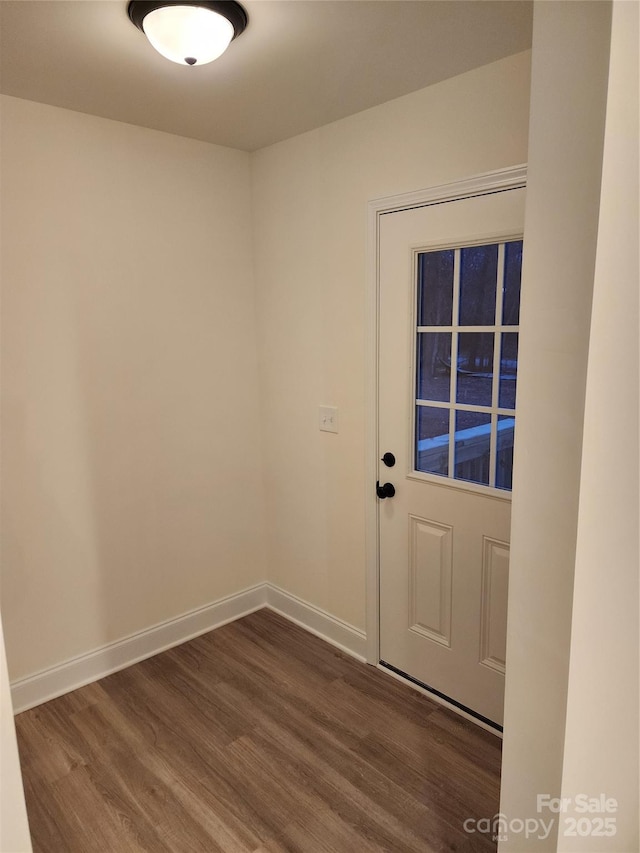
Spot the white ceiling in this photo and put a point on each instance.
(300, 63)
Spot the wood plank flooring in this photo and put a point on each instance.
(255, 738)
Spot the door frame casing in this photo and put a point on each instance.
(513, 177)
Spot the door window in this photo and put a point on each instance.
(466, 358)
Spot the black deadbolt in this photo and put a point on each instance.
(389, 460)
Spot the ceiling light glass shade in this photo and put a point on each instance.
(189, 33)
(186, 33)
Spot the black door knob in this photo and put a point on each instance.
(389, 460)
(387, 490)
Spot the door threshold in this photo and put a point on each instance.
(442, 699)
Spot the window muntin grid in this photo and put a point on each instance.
(467, 313)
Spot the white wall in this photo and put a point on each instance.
(309, 208)
(568, 98)
(131, 462)
(604, 632)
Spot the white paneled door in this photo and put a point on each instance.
(449, 277)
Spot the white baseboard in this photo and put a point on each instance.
(65, 677)
(71, 674)
(351, 640)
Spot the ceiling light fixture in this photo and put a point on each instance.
(189, 32)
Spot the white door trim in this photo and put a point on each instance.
(501, 179)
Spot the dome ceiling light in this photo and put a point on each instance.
(190, 33)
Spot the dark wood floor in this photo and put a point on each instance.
(255, 737)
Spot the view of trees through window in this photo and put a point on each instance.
(468, 310)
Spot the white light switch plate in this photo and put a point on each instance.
(328, 419)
